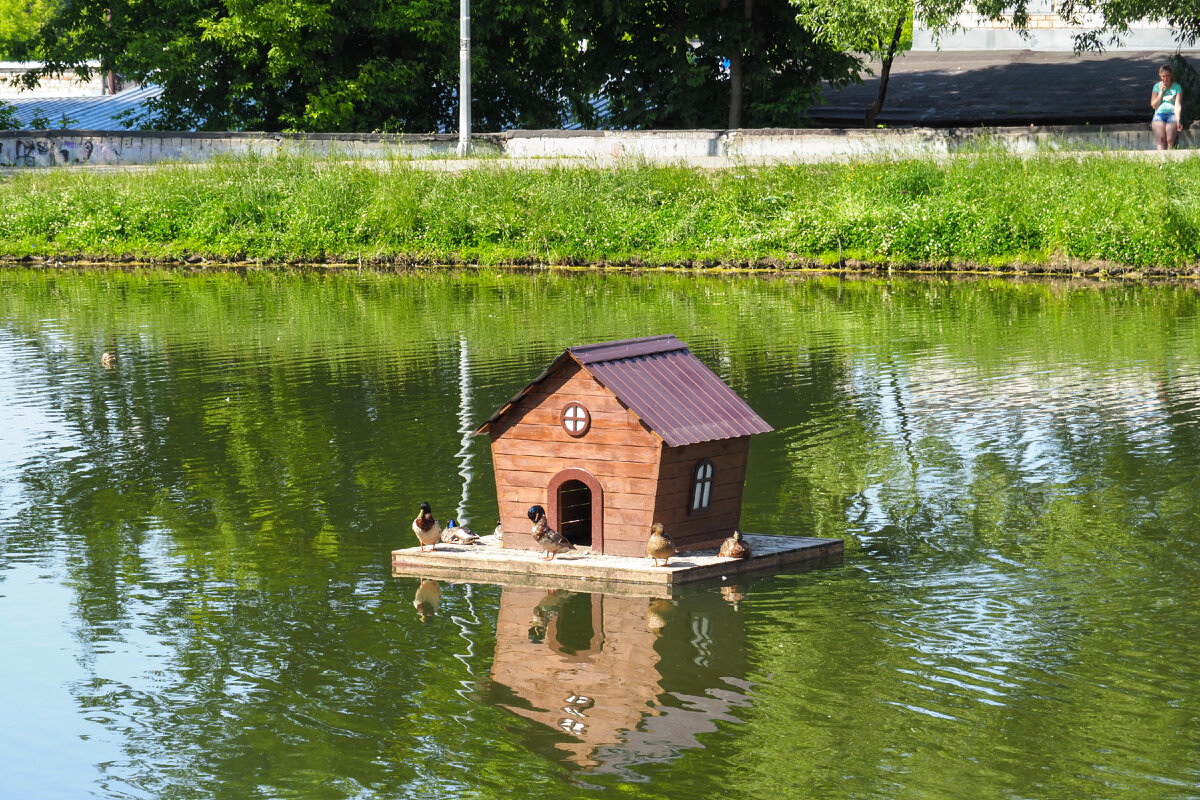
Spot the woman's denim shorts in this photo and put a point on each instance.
(1164, 116)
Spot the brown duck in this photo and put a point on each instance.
(734, 547)
(659, 546)
(546, 537)
(454, 533)
(426, 528)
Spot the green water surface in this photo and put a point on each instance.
(195, 598)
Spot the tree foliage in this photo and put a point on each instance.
(8, 117)
(355, 65)
(872, 27)
(19, 21)
(708, 63)
(333, 65)
(341, 65)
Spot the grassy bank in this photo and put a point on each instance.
(1087, 212)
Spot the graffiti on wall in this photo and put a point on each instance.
(45, 152)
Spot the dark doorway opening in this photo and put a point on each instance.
(575, 512)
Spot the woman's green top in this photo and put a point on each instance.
(1169, 96)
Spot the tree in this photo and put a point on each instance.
(871, 27)
(707, 63)
(342, 65)
(334, 65)
(8, 117)
(19, 21)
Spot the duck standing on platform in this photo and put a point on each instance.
(426, 528)
(454, 533)
(734, 547)
(659, 546)
(546, 537)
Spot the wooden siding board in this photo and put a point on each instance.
(722, 497)
(620, 506)
(553, 403)
(619, 420)
(617, 485)
(675, 465)
(552, 466)
(575, 450)
(596, 436)
(669, 491)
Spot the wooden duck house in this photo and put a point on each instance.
(613, 437)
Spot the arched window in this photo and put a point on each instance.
(702, 480)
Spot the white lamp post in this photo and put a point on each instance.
(464, 77)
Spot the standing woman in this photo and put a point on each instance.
(1167, 102)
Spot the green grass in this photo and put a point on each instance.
(972, 210)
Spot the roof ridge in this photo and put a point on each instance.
(626, 348)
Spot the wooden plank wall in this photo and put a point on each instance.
(529, 447)
(673, 501)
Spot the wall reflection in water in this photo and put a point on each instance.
(615, 681)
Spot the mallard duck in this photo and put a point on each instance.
(428, 598)
(426, 528)
(108, 360)
(734, 547)
(546, 537)
(659, 546)
(454, 533)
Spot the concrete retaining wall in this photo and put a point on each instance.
(107, 148)
(123, 148)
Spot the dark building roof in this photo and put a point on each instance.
(660, 380)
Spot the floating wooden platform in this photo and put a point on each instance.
(488, 562)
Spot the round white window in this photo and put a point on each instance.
(575, 419)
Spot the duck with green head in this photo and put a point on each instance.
(548, 539)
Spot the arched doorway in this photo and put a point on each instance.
(575, 512)
(577, 508)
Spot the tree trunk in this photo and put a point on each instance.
(736, 72)
(885, 72)
(735, 90)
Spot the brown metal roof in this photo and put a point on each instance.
(666, 386)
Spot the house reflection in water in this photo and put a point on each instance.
(618, 681)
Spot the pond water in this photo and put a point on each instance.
(195, 597)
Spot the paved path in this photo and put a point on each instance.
(1006, 88)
